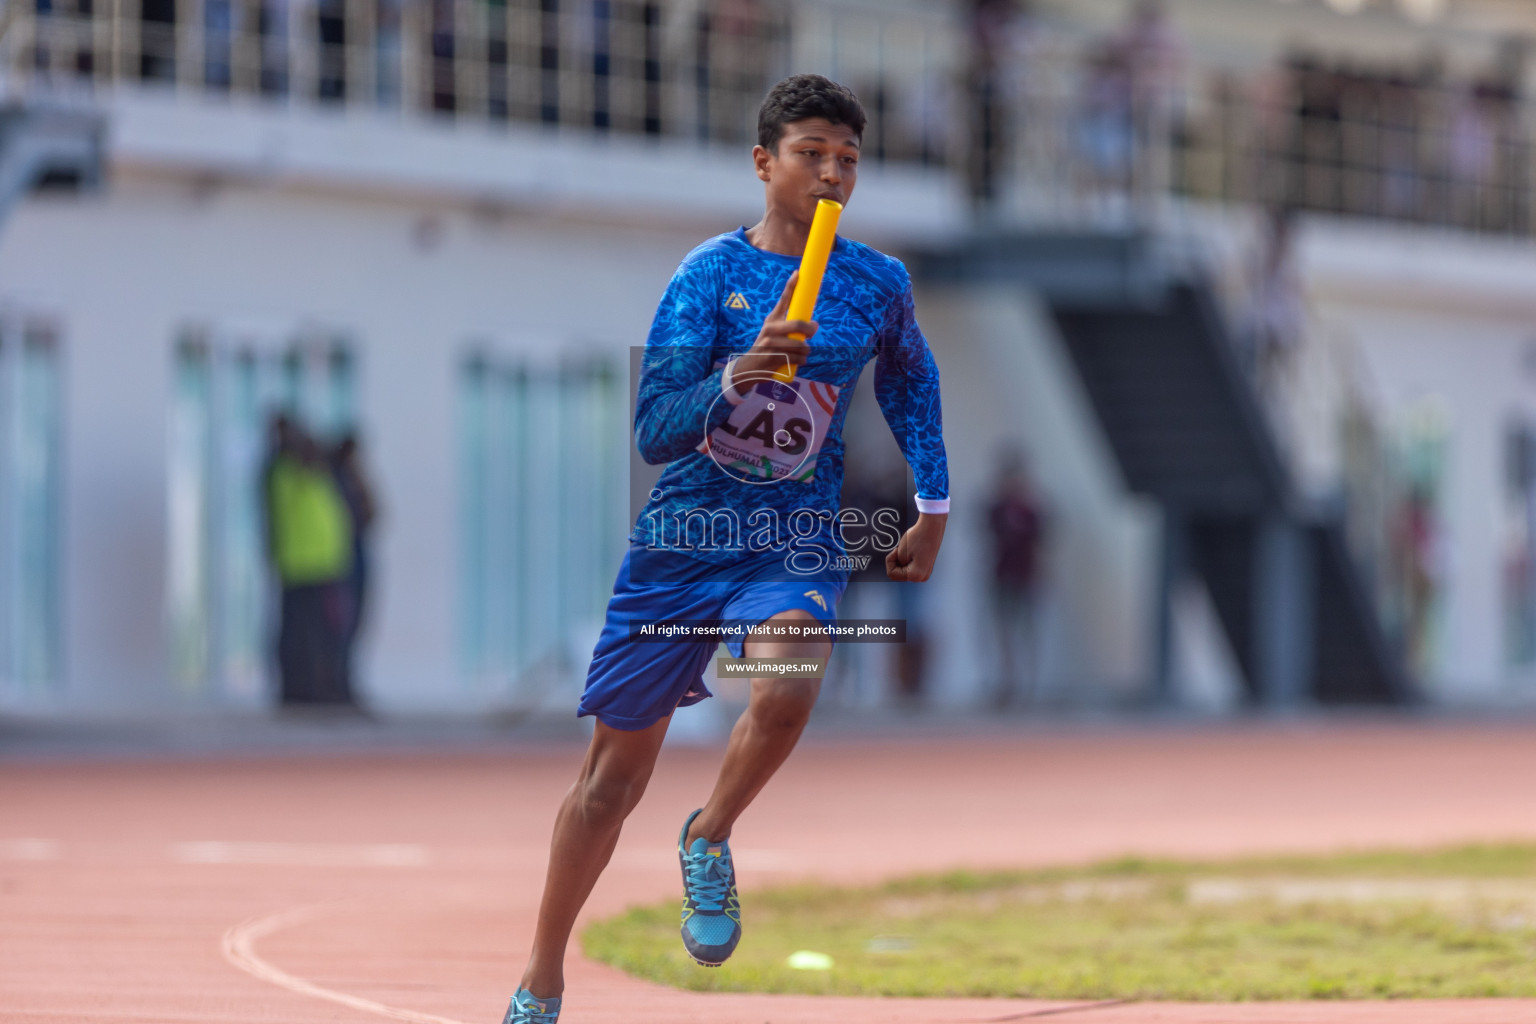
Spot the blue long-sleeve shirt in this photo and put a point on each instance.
(780, 449)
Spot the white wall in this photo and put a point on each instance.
(1432, 315)
(1006, 380)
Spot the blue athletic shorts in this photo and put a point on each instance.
(633, 684)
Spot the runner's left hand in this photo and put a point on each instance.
(912, 560)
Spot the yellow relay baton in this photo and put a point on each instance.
(813, 265)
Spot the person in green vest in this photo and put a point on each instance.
(309, 543)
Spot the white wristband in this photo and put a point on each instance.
(728, 384)
(933, 506)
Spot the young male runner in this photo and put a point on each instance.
(743, 525)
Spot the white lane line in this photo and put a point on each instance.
(379, 855)
(28, 849)
(239, 948)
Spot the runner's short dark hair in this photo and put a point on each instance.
(799, 97)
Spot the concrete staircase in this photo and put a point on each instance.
(1187, 430)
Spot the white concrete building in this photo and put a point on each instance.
(464, 287)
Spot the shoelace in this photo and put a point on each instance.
(525, 1014)
(709, 879)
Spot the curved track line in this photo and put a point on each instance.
(239, 948)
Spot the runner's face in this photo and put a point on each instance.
(816, 160)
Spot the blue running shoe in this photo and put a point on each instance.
(527, 1008)
(711, 909)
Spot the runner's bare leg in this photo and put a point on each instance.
(764, 734)
(613, 778)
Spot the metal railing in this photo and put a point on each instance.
(644, 67)
(1082, 140)
(1451, 155)
(1058, 128)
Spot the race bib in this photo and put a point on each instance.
(775, 433)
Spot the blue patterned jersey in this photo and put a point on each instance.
(764, 472)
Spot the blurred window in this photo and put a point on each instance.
(542, 513)
(224, 390)
(30, 507)
(1519, 551)
(189, 586)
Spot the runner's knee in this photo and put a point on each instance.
(604, 799)
(781, 705)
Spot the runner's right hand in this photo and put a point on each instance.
(774, 348)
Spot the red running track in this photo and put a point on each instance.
(403, 887)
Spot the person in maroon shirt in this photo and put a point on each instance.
(1017, 526)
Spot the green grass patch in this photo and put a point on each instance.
(1376, 925)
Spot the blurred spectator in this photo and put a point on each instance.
(331, 33)
(925, 117)
(651, 23)
(362, 514)
(388, 33)
(1399, 115)
(1503, 197)
(1402, 139)
(736, 52)
(1104, 132)
(549, 61)
(157, 40)
(1514, 164)
(309, 543)
(442, 48)
(221, 24)
(624, 41)
(1153, 49)
(1416, 545)
(1130, 114)
(880, 135)
(989, 116)
(1239, 112)
(42, 57)
(1317, 141)
(1405, 143)
(1152, 55)
(83, 59)
(497, 43)
(601, 25)
(1277, 310)
(273, 28)
(1471, 151)
(703, 69)
(1428, 84)
(1016, 524)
